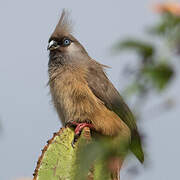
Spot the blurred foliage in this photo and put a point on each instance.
(97, 154)
(152, 71)
(146, 50)
(160, 74)
(168, 25)
(156, 65)
(169, 29)
(155, 71)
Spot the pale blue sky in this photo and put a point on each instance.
(27, 116)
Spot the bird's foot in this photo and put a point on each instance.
(78, 129)
(81, 126)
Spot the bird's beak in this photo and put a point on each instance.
(52, 45)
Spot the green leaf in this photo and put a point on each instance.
(160, 75)
(97, 153)
(146, 50)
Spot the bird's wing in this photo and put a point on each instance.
(106, 92)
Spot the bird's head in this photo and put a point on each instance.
(63, 47)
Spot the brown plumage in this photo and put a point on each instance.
(81, 91)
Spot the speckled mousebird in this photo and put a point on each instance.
(81, 92)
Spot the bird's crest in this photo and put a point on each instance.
(64, 26)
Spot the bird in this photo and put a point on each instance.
(81, 92)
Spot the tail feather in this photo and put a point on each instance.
(136, 146)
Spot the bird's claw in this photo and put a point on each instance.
(78, 130)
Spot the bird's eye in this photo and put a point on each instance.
(66, 42)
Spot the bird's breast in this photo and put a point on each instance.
(69, 97)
